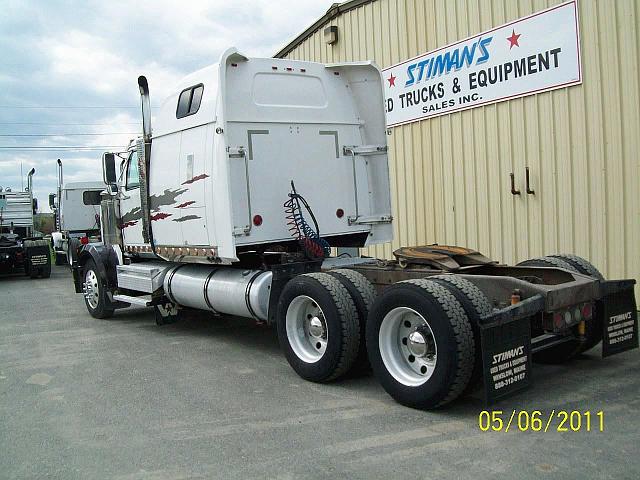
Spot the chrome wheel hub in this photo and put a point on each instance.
(316, 327)
(417, 344)
(407, 346)
(306, 329)
(91, 289)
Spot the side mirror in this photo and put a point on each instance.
(34, 206)
(52, 201)
(109, 168)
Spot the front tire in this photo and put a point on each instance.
(73, 244)
(318, 327)
(420, 343)
(95, 292)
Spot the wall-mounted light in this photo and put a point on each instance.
(331, 35)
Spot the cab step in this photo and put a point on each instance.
(143, 300)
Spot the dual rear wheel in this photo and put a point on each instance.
(419, 334)
(318, 327)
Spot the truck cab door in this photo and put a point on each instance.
(130, 211)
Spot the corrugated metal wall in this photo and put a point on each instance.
(450, 174)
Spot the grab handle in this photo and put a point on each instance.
(513, 185)
(528, 185)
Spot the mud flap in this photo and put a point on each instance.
(38, 257)
(619, 315)
(505, 339)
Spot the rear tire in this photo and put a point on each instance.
(548, 262)
(95, 292)
(593, 331)
(363, 295)
(476, 305)
(432, 368)
(566, 351)
(581, 265)
(318, 327)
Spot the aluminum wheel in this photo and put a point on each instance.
(407, 346)
(91, 289)
(306, 329)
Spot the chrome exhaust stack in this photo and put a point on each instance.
(58, 211)
(144, 157)
(143, 85)
(30, 180)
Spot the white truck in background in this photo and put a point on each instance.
(254, 170)
(76, 207)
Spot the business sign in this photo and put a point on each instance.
(531, 55)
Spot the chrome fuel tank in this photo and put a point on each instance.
(231, 291)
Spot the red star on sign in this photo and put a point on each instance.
(513, 39)
(392, 80)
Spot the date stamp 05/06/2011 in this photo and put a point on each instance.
(541, 421)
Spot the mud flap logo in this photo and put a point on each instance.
(620, 325)
(37, 260)
(506, 358)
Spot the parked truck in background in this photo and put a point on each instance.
(19, 249)
(254, 171)
(76, 206)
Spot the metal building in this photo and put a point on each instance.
(451, 174)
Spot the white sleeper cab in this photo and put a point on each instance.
(76, 206)
(250, 197)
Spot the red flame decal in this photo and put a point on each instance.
(159, 216)
(186, 204)
(127, 224)
(195, 179)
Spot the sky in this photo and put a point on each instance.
(69, 69)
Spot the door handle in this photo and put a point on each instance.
(513, 185)
(527, 183)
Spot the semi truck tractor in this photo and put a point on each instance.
(255, 171)
(76, 206)
(19, 249)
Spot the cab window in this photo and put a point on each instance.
(91, 197)
(189, 101)
(133, 175)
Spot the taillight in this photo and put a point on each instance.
(587, 311)
(257, 220)
(558, 320)
(84, 240)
